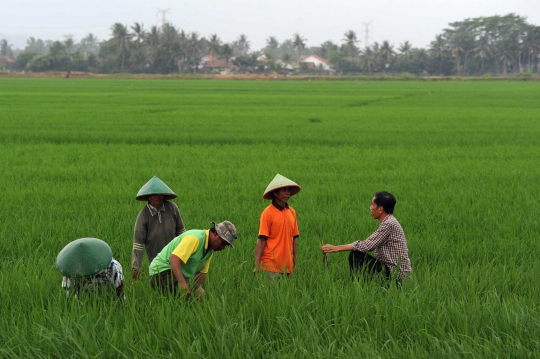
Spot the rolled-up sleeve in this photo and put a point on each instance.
(378, 238)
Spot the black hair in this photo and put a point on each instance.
(386, 200)
(213, 229)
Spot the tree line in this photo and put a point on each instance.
(497, 45)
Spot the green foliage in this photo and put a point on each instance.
(461, 158)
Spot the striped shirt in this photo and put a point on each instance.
(390, 246)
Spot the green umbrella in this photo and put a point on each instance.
(153, 187)
(83, 258)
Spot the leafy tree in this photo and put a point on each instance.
(41, 63)
(22, 60)
(89, 45)
(36, 46)
(5, 48)
(326, 49)
(227, 52)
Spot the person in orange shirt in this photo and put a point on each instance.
(276, 250)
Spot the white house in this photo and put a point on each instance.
(315, 62)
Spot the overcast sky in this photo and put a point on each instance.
(417, 21)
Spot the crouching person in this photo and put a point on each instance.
(388, 241)
(87, 265)
(187, 256)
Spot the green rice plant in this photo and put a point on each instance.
(460, 157)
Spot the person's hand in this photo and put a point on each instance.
(328, 248)
(200, 293)
(135, 273)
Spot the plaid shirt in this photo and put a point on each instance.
(390, 245)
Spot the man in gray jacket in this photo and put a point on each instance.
(157, 223)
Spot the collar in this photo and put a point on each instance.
(153, 210)
(280, 207)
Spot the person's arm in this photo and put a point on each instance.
(259, 250)
(379, 237)
(329, 248)
(139, 237)
(295, 251)
(176, 267)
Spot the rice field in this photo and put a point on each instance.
(460, 157)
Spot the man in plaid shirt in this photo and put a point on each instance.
(388, 241)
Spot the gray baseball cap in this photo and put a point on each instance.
(227, 231)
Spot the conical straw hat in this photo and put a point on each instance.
(155, 186)
(279, 182)
(83, 258)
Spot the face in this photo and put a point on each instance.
(156, 200)
(282, 195)
(218, 243)
(376, 211)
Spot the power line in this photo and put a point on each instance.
(163, 13)
(366, 33)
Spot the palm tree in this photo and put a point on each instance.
(214, 45)
(242, 44)
(227, 52)
(456, 50)
(89, 45)
(298, 43)
(286, 58)
(120, 38)
(386, 52)
(503, 56)
(438, 50)
(272, 43)
(368, 60)
(405, 49)
(350, 43)
(483, 50)
(139, 33)
(5, 48)
(530, 46)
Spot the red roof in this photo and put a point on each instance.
(6, 60)
(217, 64)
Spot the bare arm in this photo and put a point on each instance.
(328, 248)
(176, 267)
(295, 252)
(261, 245)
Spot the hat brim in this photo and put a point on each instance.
(166, 197)
(294, 190)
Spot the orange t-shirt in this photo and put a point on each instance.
(280, 227)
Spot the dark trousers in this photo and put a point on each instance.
(165, 282)
(360, 262)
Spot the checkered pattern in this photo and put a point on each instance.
(390, 246)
